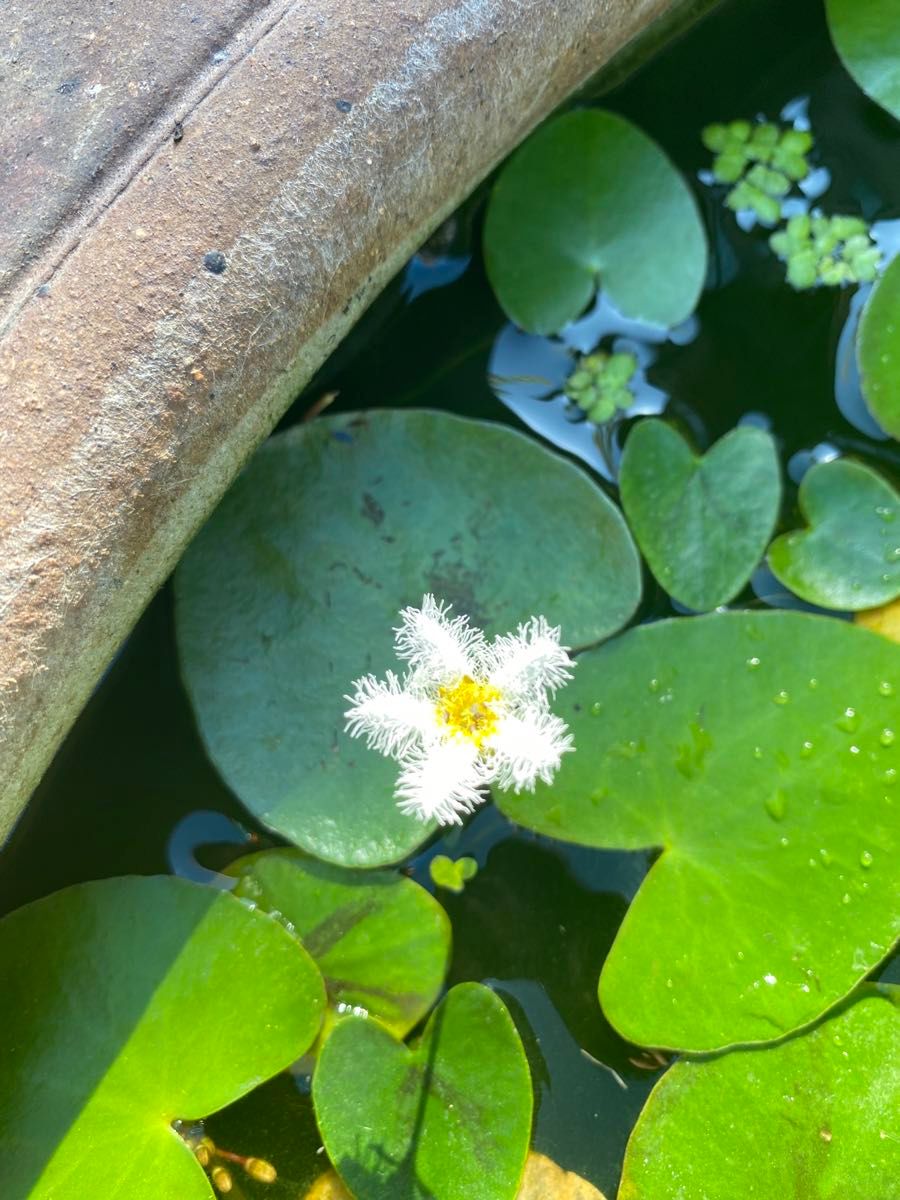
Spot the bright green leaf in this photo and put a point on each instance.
(758, 750)
(702, 522)
(127, 1004)
(849, 557)
(815, 1116)
(591, 199)
(866, 35)
(449, 1119)
(381, 942)
(452, 874)
(878, 350)
(293, 590)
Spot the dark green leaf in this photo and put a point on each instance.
(758, 750)
(293, 589)
(447, 1120)
(381, 942)
(702, 522)
(849, 557)
(129, 1003)
(590, 198)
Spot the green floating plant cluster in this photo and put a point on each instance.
(761, 160)
(764, 161)
(600, 384)
(835, 251)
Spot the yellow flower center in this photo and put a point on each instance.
(467, 710)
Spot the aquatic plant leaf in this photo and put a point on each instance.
(129, 1003)
(878, 350)
(866, 35)
(702, 522)
(849, 557)
(294, 587)
(381, 942)
(449, 1118)
(825, 1102)
(452, 874)
(758, 750)
(543, 1180)
(591, 199)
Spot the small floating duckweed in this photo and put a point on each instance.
(830, 251)
(761, 160)
(452, 874)
(600, 384)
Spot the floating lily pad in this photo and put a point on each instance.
(129, 1003)
(760, 752)
(866, 35)
(381, 942)
(849, 557)
(826, 1103)
(591, 199)
(878, 349)
(449, 1119)
(702, 522)
(293, 589)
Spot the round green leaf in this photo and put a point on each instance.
(293, 589)
(381, 942)
(759, 750)
(129, 1003)
(702, 522)
(866, 34)
(878, 350)
(449, 1119)
(849, 557)
(827, 1102)
(590, 197)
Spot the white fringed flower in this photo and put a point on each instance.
(467, 712)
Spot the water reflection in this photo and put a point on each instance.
(584, 1109)
(527, 373)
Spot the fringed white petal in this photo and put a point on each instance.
(528, 664)
(441, 782)
(392, 717)
(528, 747)
(438, 648)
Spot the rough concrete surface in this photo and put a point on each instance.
(197, 200)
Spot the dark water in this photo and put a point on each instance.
(539, 917)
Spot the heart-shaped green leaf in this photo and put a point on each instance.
(381, 942)
(878, 349)
(590, 197)
(849, 558)
(866, 35)
(449, 1119)
(293, 588)
(827, 1102)
(759, 751)
(129, 1003)
(702, 522)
